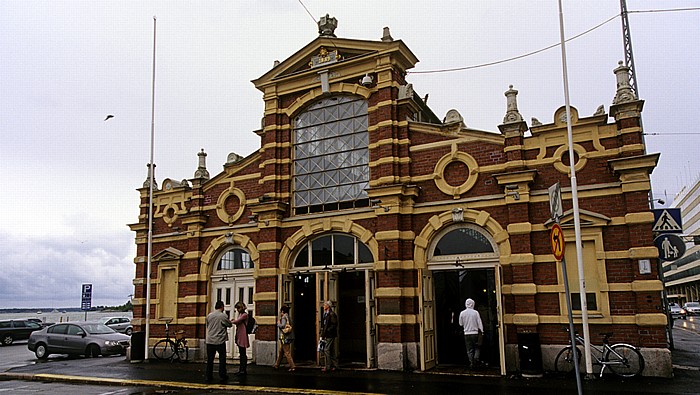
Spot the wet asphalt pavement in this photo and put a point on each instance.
(189, 377)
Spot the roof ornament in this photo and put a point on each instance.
(512, 114)
(202, 171)
(624, 89)
(327, 26)
(386, 36)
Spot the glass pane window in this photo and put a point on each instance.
(235, 259)
(463, 241)
(330, 147)
(335, 249)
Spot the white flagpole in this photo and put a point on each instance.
(151, 171)
(574, 199)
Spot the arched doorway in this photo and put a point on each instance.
(232, 281)
(463, 263)
(335, 267)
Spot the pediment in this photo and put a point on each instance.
(327, 52)
(587, 219)
(168, 254)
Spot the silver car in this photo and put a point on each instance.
(119, 324)
(91, 339)
(692, 308)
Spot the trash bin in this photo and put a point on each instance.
(138, 343)
(530, 354)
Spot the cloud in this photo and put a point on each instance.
(49, 271)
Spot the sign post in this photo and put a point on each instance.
(86, 303)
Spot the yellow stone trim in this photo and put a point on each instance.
(647, 286)
(441, 166)
(394, 235)
(653, 319)
(643, 252)
(521, 259)
(580, 164)
(390, 160)
(265, 320)
(313, 94)
(389, 141)
(275, 145)
(397, 319)
(619, 287)
(640, 218)
(524, 289)
(265, 296)
(192, 299)
(267, 272)
(192, 278)
(270, 246)
(221, 201)
(399, 265)
(284, 161)
(385, 103)
(520, 228)
(388, 122)
(192, 255)
(525, 319)
(396, 292)
(273, 177)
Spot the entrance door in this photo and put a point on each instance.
(452, 288)
(231, 291)
(427, 322)
(223, 291)
(243, 292)
(304, 315)
(352, 324)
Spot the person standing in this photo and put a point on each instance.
(241, 337)
(329, 333)
(286, 339)
(470, 321)
(217, 334)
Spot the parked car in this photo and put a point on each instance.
(40, 322)
(119, 324)
(692, 308)
(85, 338)
(676, 311)
(11, 330)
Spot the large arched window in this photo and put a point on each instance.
(333, 250)
(331, 155)
(236, 258)
(463, 244)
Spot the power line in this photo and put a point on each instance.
(515, 57)
(551, 46)
(669, 133)
(307, 11)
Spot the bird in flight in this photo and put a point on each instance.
(109, 116)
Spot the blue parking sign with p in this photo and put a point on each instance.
(86, 302)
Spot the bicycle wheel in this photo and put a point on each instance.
(182, 351)
(624, 360)
(564, 363)
(164, 349)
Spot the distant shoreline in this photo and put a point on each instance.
(19, 310)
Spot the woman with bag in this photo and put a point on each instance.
(284, 324)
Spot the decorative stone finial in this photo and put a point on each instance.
(327, 26)
(233, 158)
(624, 93)
(151, 173)
(512, 114)
(202, 171)
(386, 36)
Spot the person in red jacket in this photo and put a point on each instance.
(241, 337)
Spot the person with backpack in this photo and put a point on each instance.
(241, 337)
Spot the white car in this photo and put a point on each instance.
(119, 324)
(692, 308)
(676, 311)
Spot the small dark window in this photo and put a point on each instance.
(58, 329)
(463, 241)
(235, 259)
(591, 301)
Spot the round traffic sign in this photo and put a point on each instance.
(671, 246)
(556, 237)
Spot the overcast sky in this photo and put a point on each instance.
(70, 177)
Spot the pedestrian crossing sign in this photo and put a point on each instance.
(667, 220)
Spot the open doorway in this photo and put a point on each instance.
(304, 316)
(352, 338)
(452, 288)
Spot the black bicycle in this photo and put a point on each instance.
(174, 348)
(623, 359)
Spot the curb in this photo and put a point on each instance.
(167, 384)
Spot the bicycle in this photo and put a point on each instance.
(171, 348)
(623, 359)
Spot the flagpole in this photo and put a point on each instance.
(151, 171)
(574, 199)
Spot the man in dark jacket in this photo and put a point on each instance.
(329, 332)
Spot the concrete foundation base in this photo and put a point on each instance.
(265, 352)
(398, 356)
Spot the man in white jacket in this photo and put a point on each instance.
(470, 320)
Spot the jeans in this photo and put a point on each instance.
(470, 341)
(211, 350)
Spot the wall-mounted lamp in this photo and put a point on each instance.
(376, 204)
(512, 190)
(660, 201)
(222, 279)
(458, 263)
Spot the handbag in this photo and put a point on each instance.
(287, 328)
(321, 345)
